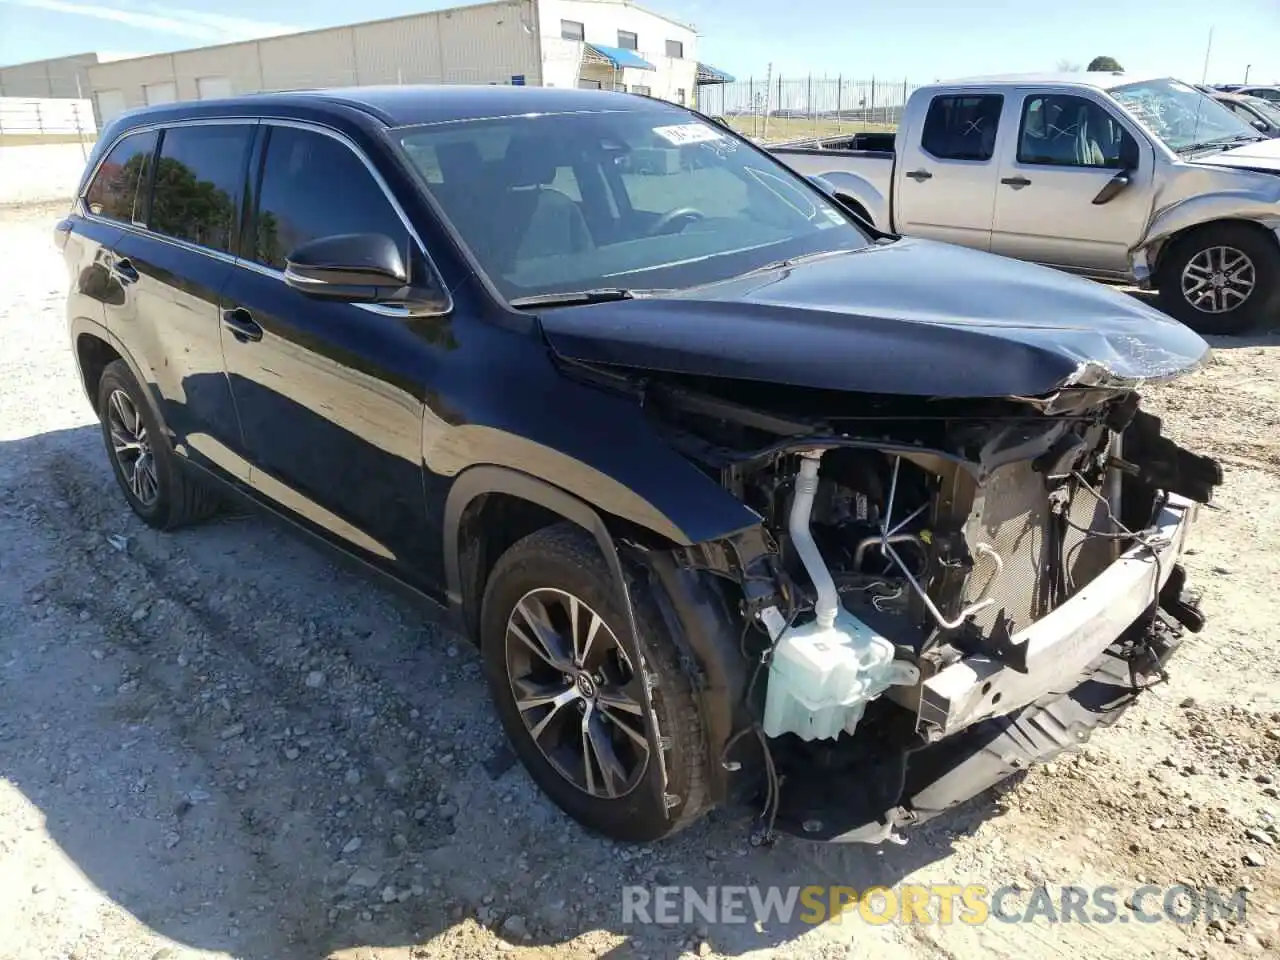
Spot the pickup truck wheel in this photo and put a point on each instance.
(1223, 278)
(569, 689)
(153, 481)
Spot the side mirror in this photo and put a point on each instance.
(1261, 125)
(356, 267)
(1129, 155)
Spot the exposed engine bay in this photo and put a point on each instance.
(913, 553)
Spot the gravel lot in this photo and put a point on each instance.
(216, 743)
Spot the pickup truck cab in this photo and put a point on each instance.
(1144, 181)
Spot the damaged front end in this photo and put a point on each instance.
(939, 592)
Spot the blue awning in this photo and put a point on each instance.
(709, 74)
(618, 56)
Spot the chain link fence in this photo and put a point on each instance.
(777, 108)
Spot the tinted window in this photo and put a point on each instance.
(1071, 132)
(301, 200)
(675, 49)
(571, 30)
(198, 179)
(114, 189)
(628, 40)
(962, 128)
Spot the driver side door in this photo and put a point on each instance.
(1068, 149)
(331, 395)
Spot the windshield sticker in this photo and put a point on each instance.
(683, 133)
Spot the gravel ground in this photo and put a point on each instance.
(216, 743)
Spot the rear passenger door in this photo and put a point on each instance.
(171, 265)
(946, 173)
(330, 394)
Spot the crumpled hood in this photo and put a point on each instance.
(1261, 155)
(910, 317)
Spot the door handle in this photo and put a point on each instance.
(242, 325)
(124, 270)
(1016, 182)
(920, 176)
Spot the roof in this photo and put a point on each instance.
(619, 56)
(1096, 80)
(407, 105)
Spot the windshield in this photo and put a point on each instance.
(1180, 115)
(643, 200)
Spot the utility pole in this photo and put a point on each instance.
(768, 77)
(1204, 77)
(1246, 72)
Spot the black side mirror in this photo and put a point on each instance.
(1261, 125)
(356, 267)
(1129, 156)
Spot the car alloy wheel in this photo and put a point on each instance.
(131, 448)
(1218, 279)
(577, 693)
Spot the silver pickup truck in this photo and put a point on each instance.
(1142, 181)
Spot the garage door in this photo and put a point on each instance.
(160, 92)
(211, 88)
(110, 104)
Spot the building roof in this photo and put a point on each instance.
(421, 104)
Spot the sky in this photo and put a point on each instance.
(920, 40)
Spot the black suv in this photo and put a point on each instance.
(740, 499)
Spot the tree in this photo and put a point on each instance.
(1105, 65)
(1068, 66)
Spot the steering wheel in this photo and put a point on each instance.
(671, 216)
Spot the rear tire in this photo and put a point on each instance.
(153, 481)
(540, 582)
(1223, 278)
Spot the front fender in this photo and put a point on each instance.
(1209, 207)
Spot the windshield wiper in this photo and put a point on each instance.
(571, 297)
(1222, 142)
(802, 258)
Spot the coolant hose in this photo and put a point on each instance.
(806, 486)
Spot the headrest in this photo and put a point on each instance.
(529, 161)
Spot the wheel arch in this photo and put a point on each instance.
(1177, 223)
(693, 604)
(95, 347)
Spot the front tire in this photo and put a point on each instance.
(1223, 278)
(568, 687)
(156, 487)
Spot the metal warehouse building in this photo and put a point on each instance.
(611, 44)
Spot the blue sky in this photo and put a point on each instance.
(918, 39)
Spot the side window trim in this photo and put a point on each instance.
(260, 156)
(142, 228)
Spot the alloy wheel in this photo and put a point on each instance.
(1218, 279)
(577, 692)
(131, 448)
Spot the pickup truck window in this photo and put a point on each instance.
(962, 127)
(1069, 131)
(646, 199)
(1181, 116)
